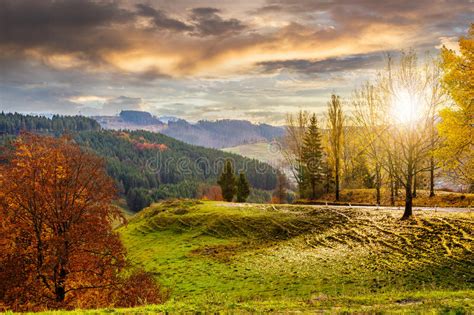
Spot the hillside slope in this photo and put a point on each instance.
(220, 256)
(147, 166)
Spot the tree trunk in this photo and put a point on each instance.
(378, 183)
(392, 190)
(337, 179)
(408, 193)
(414, 186)
(408, 203)
(60, 290)
(432, 167)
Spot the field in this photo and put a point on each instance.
(267, 152)
(217, 256)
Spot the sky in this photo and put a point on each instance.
(207, 59)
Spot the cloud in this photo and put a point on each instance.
(74, 25)
(208, 23)
(234, 56)
(161, 20)
(329, 65)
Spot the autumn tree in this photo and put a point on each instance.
(56, 220)
(436, 98)
(57, 248)
(312, 156)
(227, 182)
(243, 188)
(336, 129)
(456, 126)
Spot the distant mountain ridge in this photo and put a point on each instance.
(212, 134)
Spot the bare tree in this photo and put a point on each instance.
(293, 145)
(368, 117)
(404, 88)
(336, 129)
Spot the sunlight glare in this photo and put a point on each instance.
(405, 108)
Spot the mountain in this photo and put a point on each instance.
(222, 133)
(211, 134)
(139, 118)
(147, 166)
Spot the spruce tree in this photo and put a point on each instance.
(312, 156)
(227, 182)
(243, 188)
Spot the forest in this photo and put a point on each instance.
(146, 166)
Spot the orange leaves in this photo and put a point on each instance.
(57, 239)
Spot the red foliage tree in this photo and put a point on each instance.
(57, 245)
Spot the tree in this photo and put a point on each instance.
(57, 239)
(408, 112)
(243, 188)
(312, 156)
(336, 129)
(295, 130)
(227, 182)
(368, 116)
(138, 198)
(280, 195)
(455, 128)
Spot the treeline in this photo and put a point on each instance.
(14, 123)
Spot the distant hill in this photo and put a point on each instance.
(147, 166)
(211, 134)
(139, 118)
(222, 133)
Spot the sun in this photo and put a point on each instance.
(405, 107)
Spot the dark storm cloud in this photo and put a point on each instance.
(329, 65)
(161, 19)
(61, 25)
(208, 22)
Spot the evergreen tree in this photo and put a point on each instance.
(137, 199)
(227, 182)
(312, 156)
(243, 188)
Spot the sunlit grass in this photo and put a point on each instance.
(260, 258)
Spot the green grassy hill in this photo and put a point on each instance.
(259, 257)
(245, 257)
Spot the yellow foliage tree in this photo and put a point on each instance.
(456, 127)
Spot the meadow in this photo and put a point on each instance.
(215, 256)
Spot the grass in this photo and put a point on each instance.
(263, 151)
(217, 256)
